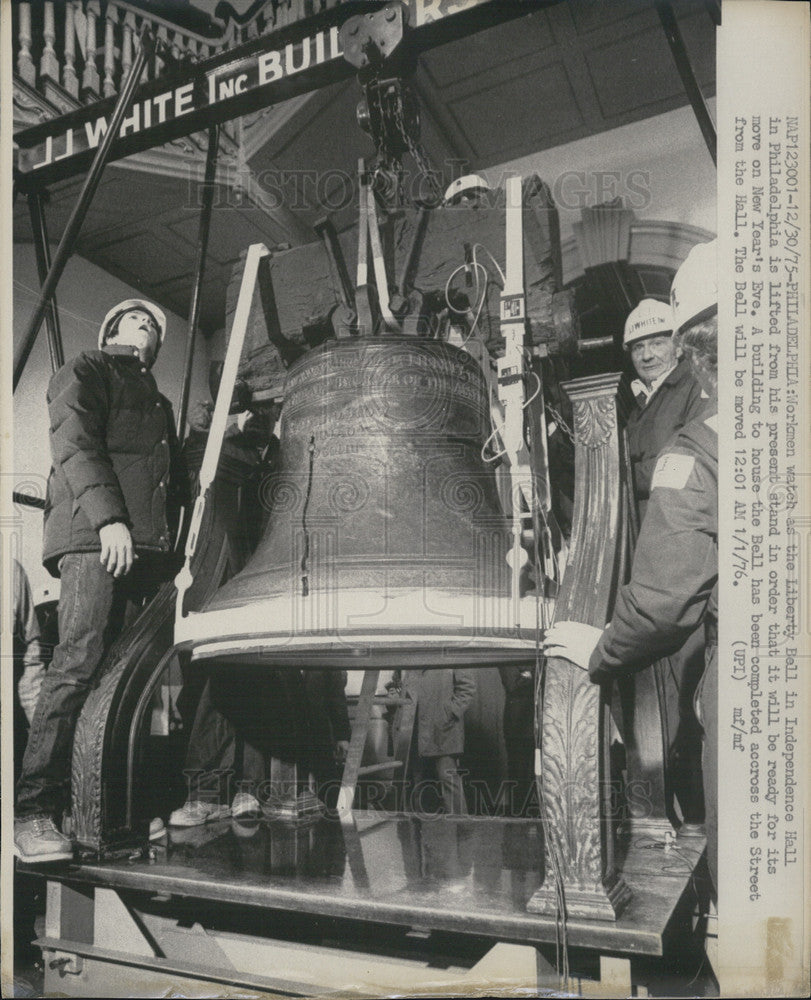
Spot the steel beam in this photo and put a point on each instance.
(36, 208)
(688, 77)
(199, 272)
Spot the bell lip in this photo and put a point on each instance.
(439, 624)
(363, 650)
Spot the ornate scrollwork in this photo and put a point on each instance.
(571, 773)
(594, 420)
(28, 110)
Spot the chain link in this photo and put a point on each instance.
(553, 413)
(417, 154)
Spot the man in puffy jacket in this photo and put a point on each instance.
(113, 500)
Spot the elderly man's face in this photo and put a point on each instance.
(653, 356)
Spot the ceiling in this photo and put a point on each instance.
(559, 74)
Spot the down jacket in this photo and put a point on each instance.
(115, 456)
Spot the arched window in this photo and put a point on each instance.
(605, 294)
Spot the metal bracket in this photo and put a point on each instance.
(369, 39)
(66, 963)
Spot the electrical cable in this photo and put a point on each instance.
(481, 246)
(537, 390)
(479, 297)
(561, 931)
(497, 456)
(305, 572)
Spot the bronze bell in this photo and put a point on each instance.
(386, 541)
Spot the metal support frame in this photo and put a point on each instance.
(199, 272)
(679, 52)
(36, 208)
(77, 217)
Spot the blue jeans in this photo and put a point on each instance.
(94, 608)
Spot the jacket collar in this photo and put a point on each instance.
(677, 373)
(126, 352)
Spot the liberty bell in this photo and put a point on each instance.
(386, 543)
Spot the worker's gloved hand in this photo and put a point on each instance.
(341, 751)
(572, 641)
(117, 550)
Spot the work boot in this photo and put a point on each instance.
(196, 813)
(157, 829)
(36, 839)
(245, 805)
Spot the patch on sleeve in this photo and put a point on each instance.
(672, 471)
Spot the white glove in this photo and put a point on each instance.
(572, 641)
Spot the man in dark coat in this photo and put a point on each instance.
(442, 698)
(667, 398)
(674, 580)
(112, 505)
(666, 392)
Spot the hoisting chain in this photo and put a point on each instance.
(418, 155)
(555, 415)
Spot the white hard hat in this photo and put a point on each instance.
(154, 311)
(651, 318)
(468, 184)
(694, 292)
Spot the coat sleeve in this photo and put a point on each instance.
(335, 696)
(79, 408)
(695, 405)
(464, 687)
(179, 485)
(675, 568)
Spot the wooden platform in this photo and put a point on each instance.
(471, 876)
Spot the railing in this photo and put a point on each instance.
(86, 47)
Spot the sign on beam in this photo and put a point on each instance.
(300, 57)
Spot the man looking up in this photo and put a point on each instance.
(112, 504)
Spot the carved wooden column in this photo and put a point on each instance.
(110, 22)
(579, 839)
(90, 77)
(128, 34)
(162, 38)
(69, 79)
(25, 64)
(107, 783)
(49, 64)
